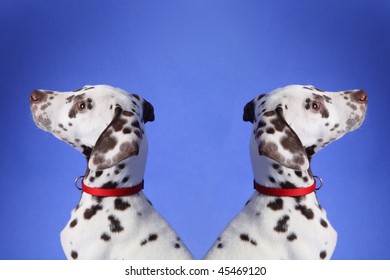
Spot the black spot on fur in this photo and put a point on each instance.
(73, 223)
(177, 246)
(110, 185)
(307, 212)
(323, 255)
(276, 205)
(298, 173)
(275, 166)
(121, 205)
(291, 237)
(105, 237)
(152, 237)
(98, 199)
(72, 113)
(324, 112)
(127, 130)
(220, 245)
(115, 225)
(261, 124)
(125, 179)
(138, 133)
(90, 212)
(281, 225)
(74, 255)
(323, 223)
(244, 237)
(271, 179)
(69, 99)
(287, 185)
(270, 130)
(86, 150)
(98, 174)
(135, 124)
(310, 151)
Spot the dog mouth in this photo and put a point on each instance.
(355, 121)
(42, 121)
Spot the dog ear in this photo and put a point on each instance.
(249, 112)
(148, 112)
(278, 141)
(120, 140)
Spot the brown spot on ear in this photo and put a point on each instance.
(270, 149)
(118, 124)
(299, 160)
(291, 142)
(127, 149)
(106, 142)
(98, 160)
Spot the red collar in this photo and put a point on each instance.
(113, 192)
(285, 192)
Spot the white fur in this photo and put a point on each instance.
(285, 227)
(107, 125)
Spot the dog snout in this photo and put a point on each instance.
(360, 96)
(37, 96)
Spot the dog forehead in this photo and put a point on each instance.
(292, 94)
(105, 93)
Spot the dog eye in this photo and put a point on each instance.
(316, 105)
(81, 106)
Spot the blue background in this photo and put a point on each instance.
(198, 63)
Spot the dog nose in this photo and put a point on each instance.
(37, 96)
(360, 96)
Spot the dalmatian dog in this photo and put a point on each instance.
(283, 219)
(106, 124)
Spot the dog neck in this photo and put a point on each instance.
(121, 175)
(272, 174)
